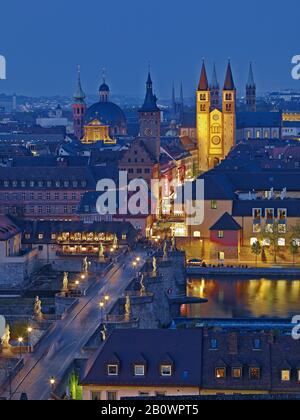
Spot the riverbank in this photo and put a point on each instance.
(246, 272)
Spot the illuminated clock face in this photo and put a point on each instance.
(148, 132)
(216, 140)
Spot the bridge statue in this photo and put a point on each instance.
(5, 340)
(38, 309)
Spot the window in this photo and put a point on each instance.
(221, 256)
(27, 236)
(113, 370)
(221, 234)
(236, 373)
(214, 205)
(269, 214)
(266, 242)
(281, 242)
(144, 394)
(197, 234)
(298, 375)
(53, 236)
(139, 370)
(214, 344)
(96, 396)
(285, 375)
(220, 373)
(111, 396)
(166, 370)
(40, 236)
(254, 373)
(256, 344)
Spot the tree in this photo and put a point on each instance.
(294, 240)
(256, 250)
(272, 235)
(294, 249)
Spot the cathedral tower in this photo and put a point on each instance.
(251, 92)
(229, 112)
(203, 118)
(79, 108)
(215, 127)
(149, 119)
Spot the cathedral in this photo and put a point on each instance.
(216, 119)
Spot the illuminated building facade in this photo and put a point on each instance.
(215, 127)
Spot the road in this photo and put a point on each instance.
(59, 348)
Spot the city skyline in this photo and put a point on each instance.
(73, 36)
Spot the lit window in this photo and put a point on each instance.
(281, 242)
(285, 375)
(197, 234)
(166, 370)
(298, 373)
(281, 228)
(269, 228)
(139, 370)
(254, 373)
(266, 242)
(236, 373)
(40, 236)
(220, 373)
(221, 234)
(214, 204)
(113, 370)
(253, 241)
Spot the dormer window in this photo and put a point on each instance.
(285, 375)
(220, 373)
(166, 370)
(112, 370)
(139, 370)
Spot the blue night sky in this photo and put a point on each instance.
(43, 41)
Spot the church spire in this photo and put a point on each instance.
(229, 83)
(181, 95)
(150, 102)
(251, 82)
(203, 82)
(79, 95)
(251, 91)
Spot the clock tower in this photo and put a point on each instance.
(149, 120)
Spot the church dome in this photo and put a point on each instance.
(107, 113)
(104, 88)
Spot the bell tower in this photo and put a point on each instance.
(229, 112)
(79, 108)
(203, 119)
(149, 119)
(251, 92)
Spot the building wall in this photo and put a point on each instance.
(136, 391)
(229, 245)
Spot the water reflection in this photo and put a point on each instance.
(229, 298)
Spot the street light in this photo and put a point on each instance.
(20, 341)
(82, 277)
(52, 382)
(106, 298)
(101, 304)
(138, 259)
(29, 331)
